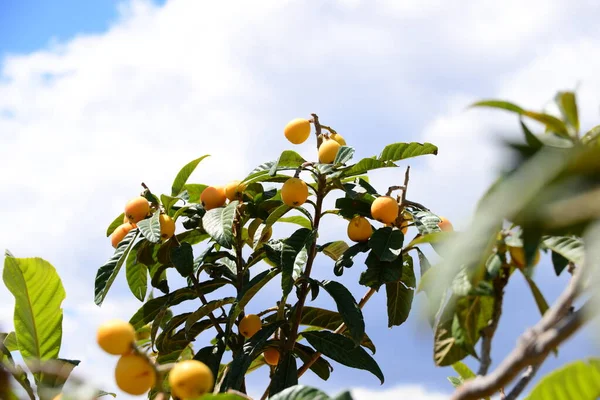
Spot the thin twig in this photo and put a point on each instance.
(211, 316)
(527, 376)
(487, 333)
(406, 179)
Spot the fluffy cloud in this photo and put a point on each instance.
(83, 122)
(413, 392)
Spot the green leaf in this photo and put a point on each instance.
(218, 223)
(504, 105)
(184, 174)
(559, 263)
(285, 375)
(402, 151)
(251, 289)
(348, 207)
(344, 154)
(252, 348)
(569, 247)
(540, 301)
(577, 380)
(365, 165)
(386, 243)
(298, 220)
(424, 263)
(321, 367)
(194, 191)
(341, 349)
(151, 308)
(284, 254)
(182, 258)
(150, 228)
(531, 139)
(10, 342)
(108, 272)
(334, 250)
(136, 273)
(115, 224)
(346, 259)
(427, 222)
(379, 272)
(456, 382)
(348, 309)
(463, 370)
(206, 309)
(287, 160)
(276, 214)
(400, 295)
(38, 315)
(300, 392)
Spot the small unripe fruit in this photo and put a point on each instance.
(328, 150)
(338, 138)
(213, 197)
(115, 337)
(134, 374)
(249, 325)
(167, 226)
(144, 332)
(271, 356)
(137, 209)
(445, 225)
(297, 130)
(234, 190)
(119, 233)
(385, 209)
(359, 229)
(517, 255)
(294, 192)
(190, 379)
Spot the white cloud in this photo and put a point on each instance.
(413, 392)
(82, 123)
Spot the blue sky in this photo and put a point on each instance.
(92, 94)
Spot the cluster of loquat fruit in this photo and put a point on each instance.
(136, 374)
(384, 209)
(136, 210)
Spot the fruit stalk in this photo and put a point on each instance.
(340, 329)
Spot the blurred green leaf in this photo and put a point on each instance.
(577, 380)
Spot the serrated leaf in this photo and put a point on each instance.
(136, 273)
(300, 392)
(344, 154)
(347, 308)
(401, 151)
(184, 174)
(150, 228)
(252, 348)
(38, 293)
(341, 349)
(571, 248)
(218, 223)
(334, 250)
(287, 160)
(115, 224)
(427, 222)
(206, 309)
(577, 380)
(298, 220)
(182, 258)
(108, 272)
(400, 295)
(386, 243)
(285, 375)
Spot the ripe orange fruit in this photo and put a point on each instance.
(115, 336)
(234, 190)
(359, 229)
(134, 374)
(249, 325)
(137, 209)
(338, 138)
(445, 225)
(294, 192)
(385, 209)
(328, 150)
(297, 130)
(213, 197)
(119, 233)
(271, 356)
(190, 379)
(167, 226)
(517, 256)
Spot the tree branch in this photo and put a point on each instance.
(527, 376)
(487, 333)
